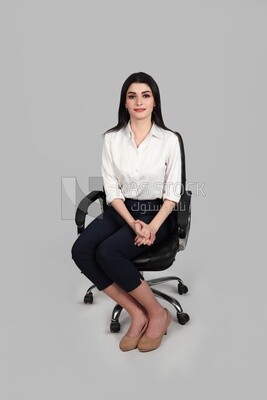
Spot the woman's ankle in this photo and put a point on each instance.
(139, 320)
(157, 312)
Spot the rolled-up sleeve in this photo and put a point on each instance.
(111, 184)
(173, 173)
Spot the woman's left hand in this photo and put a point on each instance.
(147, 235)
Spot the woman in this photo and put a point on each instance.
(141, 167)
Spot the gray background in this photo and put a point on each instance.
(66, 62)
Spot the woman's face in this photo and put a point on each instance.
(139, 101)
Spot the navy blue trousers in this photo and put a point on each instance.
(104, 249)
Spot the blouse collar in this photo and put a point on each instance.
(155, 130)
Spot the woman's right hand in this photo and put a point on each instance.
(146, 235)
(139, 230)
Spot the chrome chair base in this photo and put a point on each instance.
(182, 317)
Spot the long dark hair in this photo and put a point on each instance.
(123, 114)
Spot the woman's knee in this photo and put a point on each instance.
(81, 249)
(75, 251)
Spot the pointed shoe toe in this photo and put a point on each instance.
(128, 343)
(149, 344)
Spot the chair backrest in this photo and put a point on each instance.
(184, 207)
(182, 158)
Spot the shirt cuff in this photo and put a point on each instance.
(110, 196)
(172, 197)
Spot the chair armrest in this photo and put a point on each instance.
(83, 206)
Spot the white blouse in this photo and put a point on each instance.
(151, 170)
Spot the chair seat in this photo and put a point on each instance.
(158, 257)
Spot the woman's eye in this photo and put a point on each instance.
(131, 96)
(146, 95)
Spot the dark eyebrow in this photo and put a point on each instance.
(145, 91)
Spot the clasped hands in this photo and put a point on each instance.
(145, 233)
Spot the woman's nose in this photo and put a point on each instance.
(139, 101)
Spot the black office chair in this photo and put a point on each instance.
(157, 257)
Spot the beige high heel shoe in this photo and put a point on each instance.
(130, 343)
(148, 344)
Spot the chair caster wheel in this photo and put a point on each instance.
(183, 318)
(182, 289)
(115, 326)
(88, 298)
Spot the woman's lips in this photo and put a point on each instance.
(139, 109)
